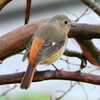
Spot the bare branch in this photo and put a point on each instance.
(71, 53)
(94, 6)
(90, 51)
(19, 37)
(86, 10)
(9, 90)
(68, 90)
(84, 31)
(3, 3)
(28, 11)
(83, 88)
(51, 75)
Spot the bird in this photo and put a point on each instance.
(46, 46)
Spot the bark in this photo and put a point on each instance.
(18, 39)
(94, 6)
(51, 75)
(3, 3)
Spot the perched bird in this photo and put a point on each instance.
(46, 46)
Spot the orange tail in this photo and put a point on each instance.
(33, 61)
(28, 77)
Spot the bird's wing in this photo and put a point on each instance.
(48, 49)
(28, 46)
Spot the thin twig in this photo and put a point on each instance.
(86, 95)
(68, 90)
(93, 5)
(8, 90)
(86, 10)
(28, 11)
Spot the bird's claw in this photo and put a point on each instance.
(82, 66)
(78, 71)
(83, 63)
(55, 67)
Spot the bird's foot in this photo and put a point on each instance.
(83, 63)
(55, 67)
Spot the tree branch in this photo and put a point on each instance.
(28, 11)
(79, 31)
(71, 53)
(94, 6)
(49, 75)
(15, 41)
(84, 31)
(3, 3)
(91, 53)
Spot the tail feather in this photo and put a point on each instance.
(33, 61)
(28, 77)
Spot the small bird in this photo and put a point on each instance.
(46, 46)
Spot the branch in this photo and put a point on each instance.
(89, 50)
(19, 37)
(3, 3)
(87, 46)
(91, 53)
(84, 31)
(51, 75)
(71, 53)
(8, 90)
(94, 6)
(16, 40)
(28, 11)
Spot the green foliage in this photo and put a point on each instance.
(25, 96)
(33, 97)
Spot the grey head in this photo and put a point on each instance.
(63, 21)
(56, 29)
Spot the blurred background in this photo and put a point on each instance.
(12, 16)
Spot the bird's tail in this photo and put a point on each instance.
(37, 44)
(28, 77)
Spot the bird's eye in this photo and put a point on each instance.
(65, 22)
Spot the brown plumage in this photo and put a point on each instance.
(33, 61)
(46, 46)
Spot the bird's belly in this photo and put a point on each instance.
(54, 57)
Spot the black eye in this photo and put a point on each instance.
(65, 22)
